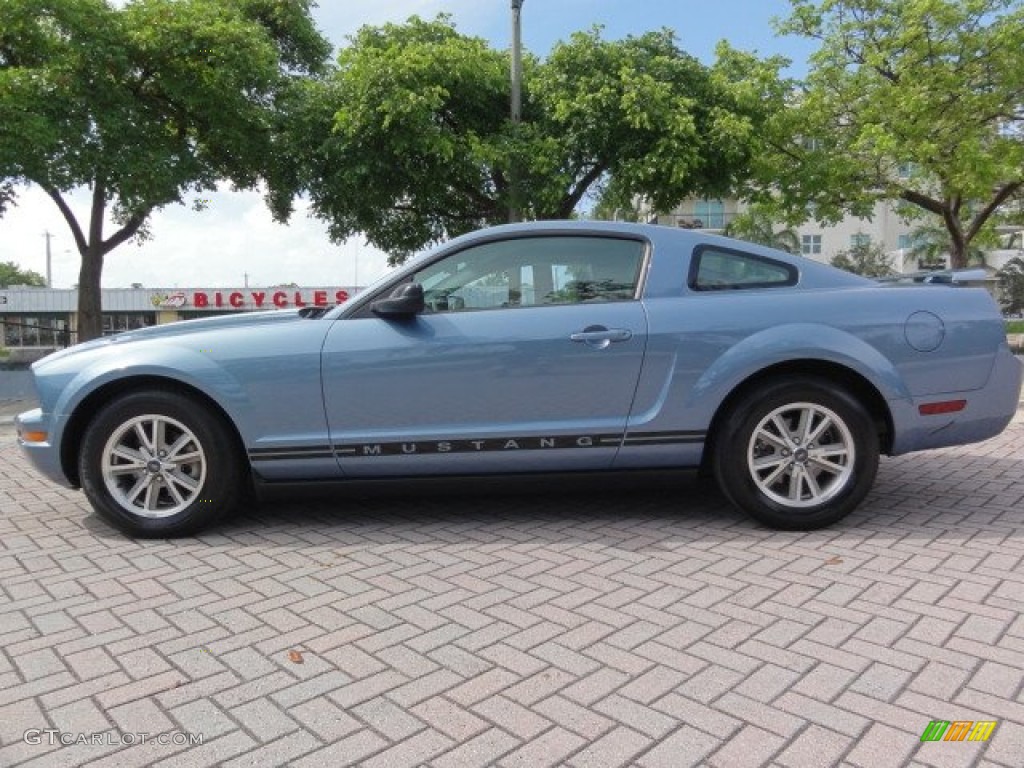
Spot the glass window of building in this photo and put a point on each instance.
(810, 244)
(711, 213)
(35, 330)
(126, 321)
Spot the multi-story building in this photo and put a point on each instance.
(823, 242)
(817, 241)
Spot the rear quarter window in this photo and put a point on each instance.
(722, 269)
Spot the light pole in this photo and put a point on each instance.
(516, 102)
(49, 260)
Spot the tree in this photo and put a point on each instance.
(12, 274)
(1011, 285)
(929, 244)
(614, 203)
(409, 141)
(757, 226)
(918, 101)
(143, 104)
(864, 258)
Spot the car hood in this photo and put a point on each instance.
(174, 330)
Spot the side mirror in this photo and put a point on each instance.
(405, 301)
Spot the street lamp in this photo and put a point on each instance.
(516, 102)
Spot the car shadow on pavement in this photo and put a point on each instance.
(950, 494)
(947, 503)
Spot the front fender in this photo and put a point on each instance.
(180, 364)
(793, 342)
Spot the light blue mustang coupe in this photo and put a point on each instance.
(543, 347)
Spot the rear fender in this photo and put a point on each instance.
(793, 342)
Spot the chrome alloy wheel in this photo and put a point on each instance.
(153, 466)
(801, 455)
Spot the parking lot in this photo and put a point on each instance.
(648, 626)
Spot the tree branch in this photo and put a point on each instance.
(923, 201)
(570, 201)
(68, 215)
(127, 232)
(1000, 197)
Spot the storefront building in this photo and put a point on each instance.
(36, 321)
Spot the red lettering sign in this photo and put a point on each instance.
(260, 299)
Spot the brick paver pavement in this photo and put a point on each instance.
(625, 627)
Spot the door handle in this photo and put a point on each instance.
(600, 337)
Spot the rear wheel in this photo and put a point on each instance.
(797, 454)
(158, 464)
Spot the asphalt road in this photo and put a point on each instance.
(15, 385)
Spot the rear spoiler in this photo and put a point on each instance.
(943, 276)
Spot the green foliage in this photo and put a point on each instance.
(6, 196)
(409, 140)
(757, 226)
(912, 100)
(12, 274)
(615, 203)
(145, 104)
(866, 259)
(1011, 285)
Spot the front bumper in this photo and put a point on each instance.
(44, 454)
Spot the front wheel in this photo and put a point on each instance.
(798, 454)
(157, 464)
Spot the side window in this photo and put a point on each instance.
(534, 271)
(714, 269)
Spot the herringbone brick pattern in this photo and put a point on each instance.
(649, 627)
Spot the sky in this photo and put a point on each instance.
(235, 242)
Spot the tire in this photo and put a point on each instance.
(764, 467)
(146, 495)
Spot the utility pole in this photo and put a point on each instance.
(516, 103)
(49, 260)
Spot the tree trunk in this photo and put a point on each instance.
(92, 248)
(90, 307)
(958, 255)
(957, 241)
(90, 301)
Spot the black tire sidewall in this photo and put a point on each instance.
(221, 487)
(730, 459)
